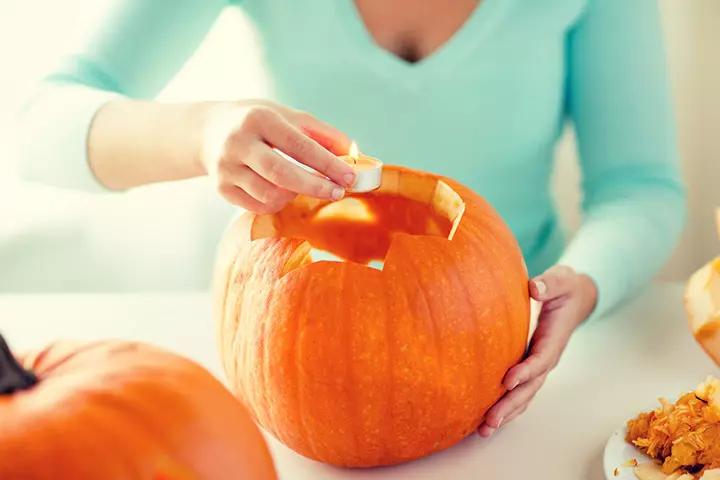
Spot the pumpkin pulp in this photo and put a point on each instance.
(13, 377)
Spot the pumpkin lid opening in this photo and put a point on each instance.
(361, 227)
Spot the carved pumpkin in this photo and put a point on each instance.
(120, 410)
(358, 366)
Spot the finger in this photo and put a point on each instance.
(284, 136)
(501, 412)
(555, 282)
(329, 137)
(548, 341)
(240, 198)
(519, 411)
(485, 430)
(283, 173)
(260, 189)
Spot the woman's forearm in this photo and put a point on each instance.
(623, 243)
(133, 143)
(132, 51)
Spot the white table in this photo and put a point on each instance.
(610, 371)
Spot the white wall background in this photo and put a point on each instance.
(45, 233)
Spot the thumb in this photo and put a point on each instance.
(555, 282)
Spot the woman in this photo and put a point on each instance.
(476, 90)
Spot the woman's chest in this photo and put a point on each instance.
(493, 90)
(317, 36)
(410, 29)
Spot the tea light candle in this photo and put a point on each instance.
(368, 169)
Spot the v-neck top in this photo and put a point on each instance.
(487, 108)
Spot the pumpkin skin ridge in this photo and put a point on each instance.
(431, 324)
(261, 337)
(312, 453)
(299, 321)
(472, 203)
(357, 429)
(240, 327)
(478, 220)
(500, 390)
(238, 324)
(488, 248)
(391, 339)
(236, 267)
(265, 364)
(434, 328)
(524, 333)
(221, 294)
(378, 272)
(467, 297)
(431, 320)
(269, 422)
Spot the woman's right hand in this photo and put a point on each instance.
(238, 154)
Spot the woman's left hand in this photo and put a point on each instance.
(567, 300)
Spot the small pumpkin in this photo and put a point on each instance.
(116, 410)
(358, 366)
(702, 304)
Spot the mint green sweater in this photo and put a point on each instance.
(486, 109)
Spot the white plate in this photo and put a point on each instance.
(618, 452)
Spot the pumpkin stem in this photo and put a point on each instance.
(13, 377)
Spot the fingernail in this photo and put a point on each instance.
(500, 422)
(350, 179)
(514, 384)
(541, 287)
(338, 193)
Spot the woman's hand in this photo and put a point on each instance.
(238, 153)
(567, 300)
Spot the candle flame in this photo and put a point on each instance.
(353, 151)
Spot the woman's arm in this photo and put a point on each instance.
(634, 204)
(91, 124)
(80, 128)
(618, 97)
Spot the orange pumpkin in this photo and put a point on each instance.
(121, 410)
(358, 366)
(702, 304)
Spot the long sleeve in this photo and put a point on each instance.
(132, 50)
(618, 98)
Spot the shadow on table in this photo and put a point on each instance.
(595, 468)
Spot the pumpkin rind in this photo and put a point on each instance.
(702, 306)
(118, 410)
(360, 367)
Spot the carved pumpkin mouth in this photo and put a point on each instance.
(361, 227)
